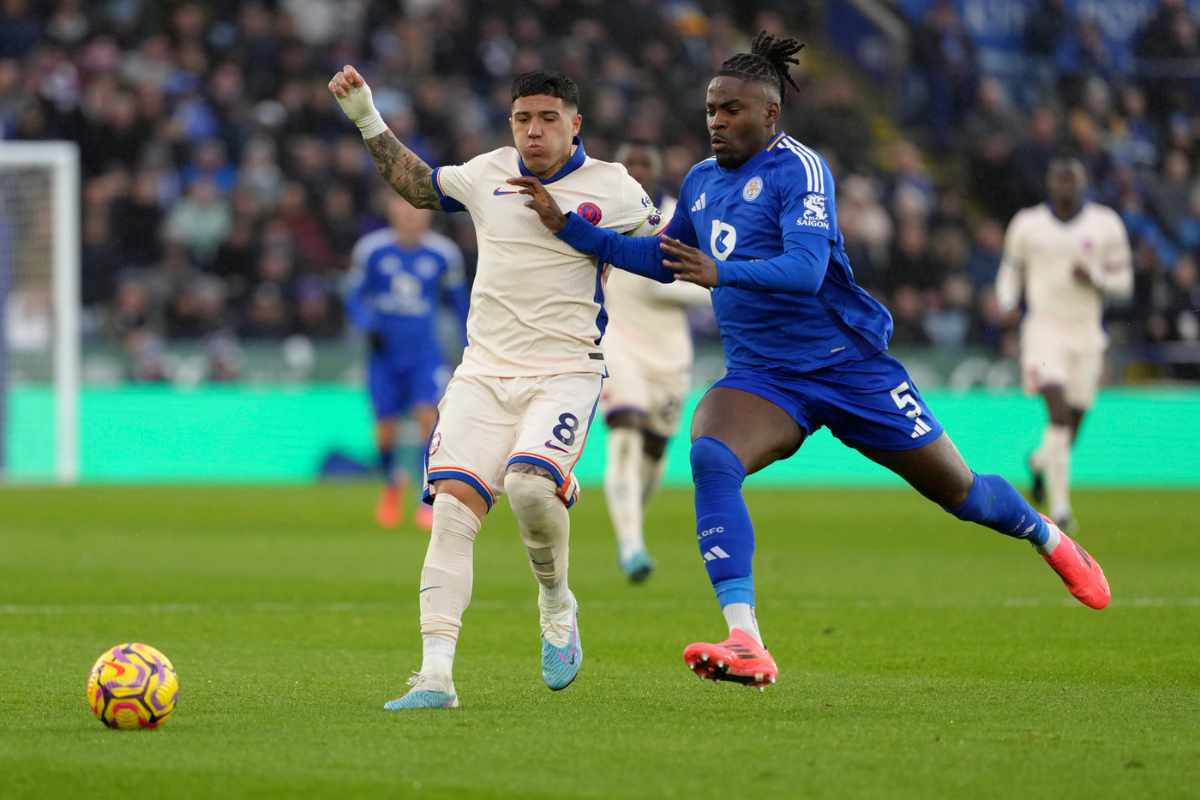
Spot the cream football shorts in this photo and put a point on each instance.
(486, 424)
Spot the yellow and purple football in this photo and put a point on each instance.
(132, 686)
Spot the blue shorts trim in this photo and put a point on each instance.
(545, 463)
(458, 475)
(871, 404)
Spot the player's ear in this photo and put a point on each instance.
(774, 111)
(576, 124)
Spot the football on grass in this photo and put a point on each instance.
(132, 686)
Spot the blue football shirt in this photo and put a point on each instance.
(395, 291)
(755, 212)
(786, 300)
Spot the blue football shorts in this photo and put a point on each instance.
(872, 404)
(397, 388)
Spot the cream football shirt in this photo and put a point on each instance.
(1040, 253)
(537, 303)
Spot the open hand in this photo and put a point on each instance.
(688, 263)
(541, 202)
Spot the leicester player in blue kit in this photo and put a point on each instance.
(400, 274)
(805, 348)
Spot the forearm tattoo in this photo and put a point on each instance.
(411, 177)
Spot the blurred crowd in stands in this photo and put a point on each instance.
(223, 190)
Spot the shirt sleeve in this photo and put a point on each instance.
(640, 255)
(455, 183)
(635, 208)
(800, 268)
(1012, 267)
(358, 306)
(808, 223)
(1115, 275)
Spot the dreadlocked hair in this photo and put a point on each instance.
(768, 61)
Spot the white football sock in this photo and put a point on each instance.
(446, 582)
(1052, 540)
(1037, 459)
(1058, 470)
(652, 475)
(741, 615)
(546, 531)
(623, 489)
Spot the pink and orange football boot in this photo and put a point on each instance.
(740, 659)
(1079, 571)
(388, 511)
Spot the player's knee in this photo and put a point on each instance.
(626, 418)
(653, 446)
(713, 460)
(530, 494)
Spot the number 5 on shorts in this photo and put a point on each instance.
(903, 400)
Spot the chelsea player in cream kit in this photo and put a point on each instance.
(648, 346)
(1065, 257)
(516, 414)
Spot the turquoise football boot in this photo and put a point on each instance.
(560, 665)
(425, 693)
(638, 566)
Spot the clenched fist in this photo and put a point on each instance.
(354, 96)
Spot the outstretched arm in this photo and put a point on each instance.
(799, 268)
(403, 169)
(641, 255)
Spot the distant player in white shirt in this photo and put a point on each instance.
(649, 351)
(516, 414)
(1064, 256)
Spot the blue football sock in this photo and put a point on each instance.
(387, 464)
(414, 460)
(992, 501)
(723, 525)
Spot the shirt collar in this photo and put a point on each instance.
(573, 163)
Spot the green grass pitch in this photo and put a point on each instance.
(920, 657)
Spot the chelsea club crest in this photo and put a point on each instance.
(752, 189)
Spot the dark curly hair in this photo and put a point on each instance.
(547, 82)
(768, 61)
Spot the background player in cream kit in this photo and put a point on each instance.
(648, 347)
(1064, 257)
(516, 414)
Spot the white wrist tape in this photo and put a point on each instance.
(372, 125)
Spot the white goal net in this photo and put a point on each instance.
(39, 311)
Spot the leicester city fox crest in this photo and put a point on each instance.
(814, 214)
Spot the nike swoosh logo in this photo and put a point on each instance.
(498, 191)
(427, 588)
(541, 563)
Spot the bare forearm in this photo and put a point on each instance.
(404, 170)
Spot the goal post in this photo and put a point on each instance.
(40, 258)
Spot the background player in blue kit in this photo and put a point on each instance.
(805, 347)
(400, 276)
